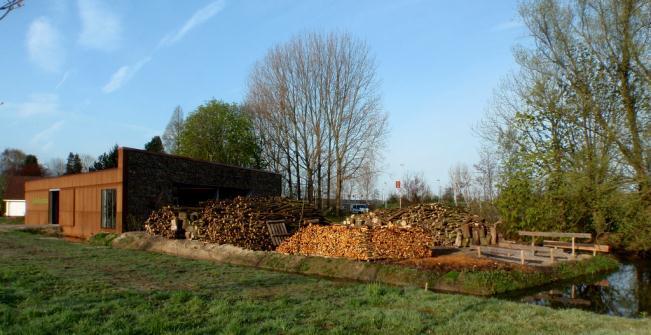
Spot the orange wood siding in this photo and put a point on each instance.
(79, 200)
(67, 207)
(36, 206)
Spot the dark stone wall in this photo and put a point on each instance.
(150, 181)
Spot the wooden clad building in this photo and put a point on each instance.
(119, 199)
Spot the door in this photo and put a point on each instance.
(54, 207)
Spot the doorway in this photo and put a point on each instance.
(54, 207)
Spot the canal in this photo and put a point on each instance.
(625, 292)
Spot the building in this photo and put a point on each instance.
(120, 199)
(14, 195)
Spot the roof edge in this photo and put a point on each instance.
(196, 160)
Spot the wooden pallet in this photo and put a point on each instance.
(277, 231)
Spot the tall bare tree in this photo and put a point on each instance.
(486, 170)
(316, 108)
(173, 130)
(460, 182)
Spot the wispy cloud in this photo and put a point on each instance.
(508, 25)
(44, 137)
(101, 28)
(126, 72)
(63, 80)
(44, 45)
(123, 74)
(37, 104)
(202, 15)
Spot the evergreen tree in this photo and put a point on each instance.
(70, 164)
(155, 145)
(73, 164)
(107, 160)
(76, 164)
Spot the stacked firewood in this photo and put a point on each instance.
(241, 222)
(159, 222)
(445, 224)
(360, 243)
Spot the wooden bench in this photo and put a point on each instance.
(573, 236)
(579, 246)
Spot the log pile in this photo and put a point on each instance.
(448, 226)
(159, 222)
(360, 243)
(240, 222)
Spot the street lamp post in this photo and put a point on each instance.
(439, 185)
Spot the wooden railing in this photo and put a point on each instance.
(566, 245)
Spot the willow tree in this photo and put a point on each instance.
(316, 107)
(573, 124)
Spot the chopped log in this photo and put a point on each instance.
(442, 222)
(493, 232)
(241, 222)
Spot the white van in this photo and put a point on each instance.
(359, 208)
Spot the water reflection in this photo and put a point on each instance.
(626, 292)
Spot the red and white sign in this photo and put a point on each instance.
(398, 184)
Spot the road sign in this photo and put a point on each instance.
(398, 184)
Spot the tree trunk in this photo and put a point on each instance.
(289, 175)
(338, 191)
(319, 191)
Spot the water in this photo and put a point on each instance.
(625, 292)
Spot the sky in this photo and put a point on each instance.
(81, 76)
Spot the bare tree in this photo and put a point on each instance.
(416, 188)
(87, 162)
(486, 169)
(56, 167)
(460, 182)
(171, 136)
(9, 6)
(315, 105)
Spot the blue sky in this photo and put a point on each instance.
(83, 75)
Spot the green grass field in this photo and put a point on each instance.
(48, 285)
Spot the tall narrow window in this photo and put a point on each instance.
(108, 208)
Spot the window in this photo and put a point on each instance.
(108, 208)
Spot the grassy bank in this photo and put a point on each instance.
(51, 286)
(12, 220)
(476, 281)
